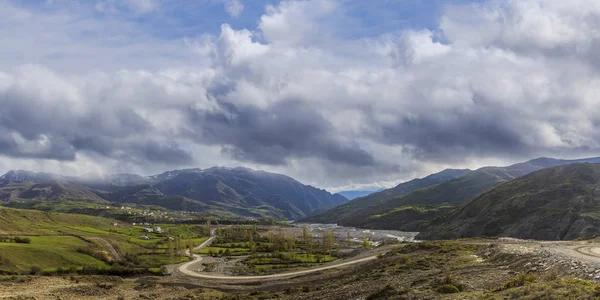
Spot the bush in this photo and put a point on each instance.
(22, 240)
(35, 270)
(521, 280)
(386, 293)
(104, 285)
(449, 285)
(552, 274)
(405, 260)
(447, 289)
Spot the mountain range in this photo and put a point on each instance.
(558, 203)
(409, 205)
(236, 191)
(340, 213)
(351, 195)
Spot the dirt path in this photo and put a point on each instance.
(113, 252)
(185, 267)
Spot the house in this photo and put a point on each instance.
(157, 229)
(144, 237)
(149, 230)
(115, 224)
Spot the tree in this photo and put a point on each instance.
(251, 241)
(309, 243)
(178, 246)
(330, 241)
(208, 226)
(171, 249)
(191, 247)
(348, 238)
(292, 242)
(366, 243)
(305, 235)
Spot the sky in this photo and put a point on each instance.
(339, 94)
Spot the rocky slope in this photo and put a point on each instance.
(558, 203)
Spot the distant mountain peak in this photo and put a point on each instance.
(23, 175)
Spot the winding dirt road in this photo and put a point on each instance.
(185, 267)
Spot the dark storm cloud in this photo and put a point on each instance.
(34, 125)
(40, 148)
(287, 129)
(443, 137)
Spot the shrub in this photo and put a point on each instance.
(22, 240)
(521, 280)
(35, 270)
(386, 293)
(104, 285)
(447, 289)
(405, 260)
(552, 274)
(449, 285)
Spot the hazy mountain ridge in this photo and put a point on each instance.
(241, 191)
(351, 195)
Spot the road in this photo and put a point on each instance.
(185, 268)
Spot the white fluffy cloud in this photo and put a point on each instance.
(234, 7)
(498, 81)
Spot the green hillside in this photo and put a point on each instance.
(69, 240)
(558, 203)
(340, 213)
(434, 200)
(232, 192)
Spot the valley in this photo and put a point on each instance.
(524, 231)
(466, 269)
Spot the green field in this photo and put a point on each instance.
(221, 251)
(46, 252)
(56, 239)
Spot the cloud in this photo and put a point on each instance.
(234, 7)
(135, 6)
(495, 81)
(297, 22)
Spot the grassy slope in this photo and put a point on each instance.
(69, 232)
(344, 211)
(453, 192)
(556, 203)
(46, 252)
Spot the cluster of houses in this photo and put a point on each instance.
(155, 229)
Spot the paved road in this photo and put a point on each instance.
(184, 268)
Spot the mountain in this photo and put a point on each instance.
(235, 188)
(407, 212)
(558, 203)
(351, 195)
(341, 213)
(24, 185)
(239, 191)
(22, 175)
